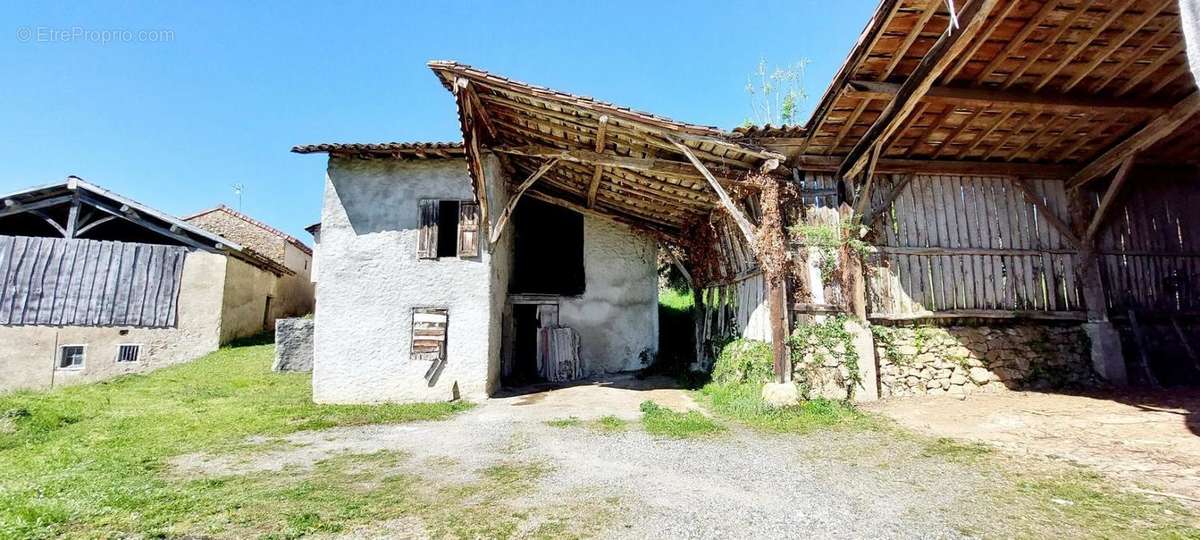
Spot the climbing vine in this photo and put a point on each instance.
(828, 338)
(829, 240)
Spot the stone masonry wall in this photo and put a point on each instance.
(930, 360)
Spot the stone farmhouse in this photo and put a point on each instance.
(990, 194)
(94, 285)
(291, 294)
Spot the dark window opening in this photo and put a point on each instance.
(71, 357)
(447, 242)
(548, 250)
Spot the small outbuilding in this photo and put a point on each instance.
(94, 285)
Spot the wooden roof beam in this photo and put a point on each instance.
(1030, 100)
(817, 163)
(944, 51)
(598, 173)
(735, 212)
(1108, 50)
(651, 165)
(1153, 132)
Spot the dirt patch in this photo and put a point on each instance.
(1150, 439)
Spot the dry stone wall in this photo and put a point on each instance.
(931, 360)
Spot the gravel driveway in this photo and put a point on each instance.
(742, 484)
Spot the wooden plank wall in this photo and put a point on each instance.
(1150, 247)
(972, 244)
(60, 282)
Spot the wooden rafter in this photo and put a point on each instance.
(1016, 41)
(913, 34)
(983, 135)
(1153, 132)
(1108, 50)
(663, 167)
(949, 139)
(918, 83)
(1152, 68)
(862, 48)
(129, 214)
(14, 207)
(598, 173)
(965, 57)
(735, 212)
(818, 163)
(1081, 44)
(1060, 29)
(1027, 100)
(1137, 54)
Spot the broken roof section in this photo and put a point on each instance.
(637, 168)
(1075, 84)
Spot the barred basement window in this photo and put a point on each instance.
(429, 333)
(128, 353)
(71, 356)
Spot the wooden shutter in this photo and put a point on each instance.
(468, 229)
(427, 236)
(429, 334)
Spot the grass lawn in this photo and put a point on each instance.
(91, 460)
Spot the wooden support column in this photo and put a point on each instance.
(1107, 357)
(777, 301)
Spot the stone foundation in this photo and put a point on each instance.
(930, 360)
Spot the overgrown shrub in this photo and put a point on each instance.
(744, 361)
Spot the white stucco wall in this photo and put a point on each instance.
(29, 353)
(617, 314)
(370, 279)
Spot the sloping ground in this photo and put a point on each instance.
(1150, 438)
(222, 448)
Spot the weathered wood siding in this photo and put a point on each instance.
(971, 244)
(1150, 247)
(60, 282)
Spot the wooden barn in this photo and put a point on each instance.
(1022, 175)
(991, 194)
(94, 285)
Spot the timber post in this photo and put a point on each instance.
(1108, 358)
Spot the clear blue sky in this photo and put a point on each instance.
(174, 124)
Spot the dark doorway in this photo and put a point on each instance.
(524, 360)
(548, 255)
